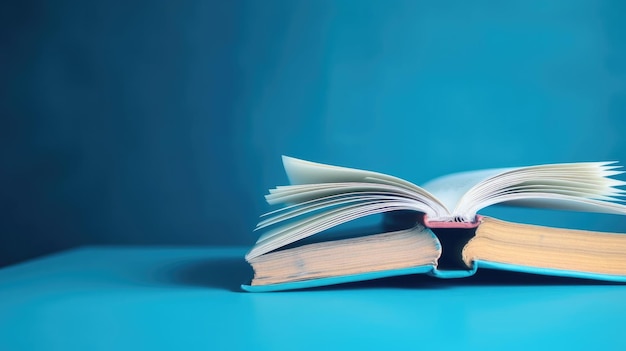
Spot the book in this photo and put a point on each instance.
(447, 237)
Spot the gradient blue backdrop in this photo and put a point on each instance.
(160, 122)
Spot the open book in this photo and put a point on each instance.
(322, 196)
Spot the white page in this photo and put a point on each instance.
(293, 211)
(292, 232)
(306, 172)
(556, 202)
(575, 186)
(450, 189)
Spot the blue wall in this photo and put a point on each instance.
(155, 122)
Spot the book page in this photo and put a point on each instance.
(307, 226)
(306, 172)
(450, 189)
(584, 186)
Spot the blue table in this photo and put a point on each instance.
(189, 299)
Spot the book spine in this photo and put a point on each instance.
(450, 224)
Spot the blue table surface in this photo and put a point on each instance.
(114, 298)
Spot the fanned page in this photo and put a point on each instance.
(324, 196)
(306, 172)
(584, 186)
(451, 188)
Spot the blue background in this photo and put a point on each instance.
(156, 122)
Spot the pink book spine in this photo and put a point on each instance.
(440, 224)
